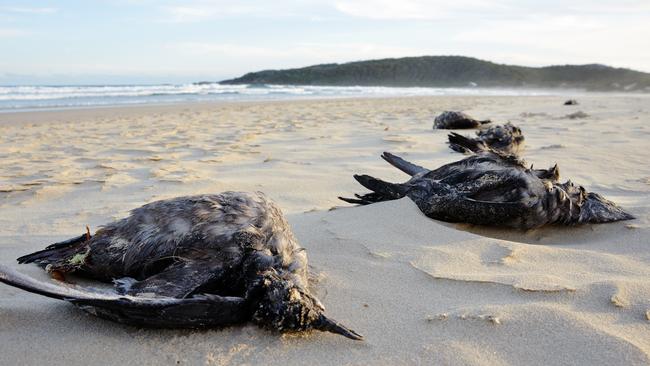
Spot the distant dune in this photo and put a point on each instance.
(453, 71)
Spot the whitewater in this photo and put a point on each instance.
(25, 98)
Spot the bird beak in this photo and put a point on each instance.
(598, 209)
(329, 325)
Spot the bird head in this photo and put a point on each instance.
(282, 305)
(598, 209)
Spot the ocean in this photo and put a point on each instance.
(28, 98)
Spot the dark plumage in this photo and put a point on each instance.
(492, 189)
(190, 262)
(450, 120)
(506, 138)
(571, 102)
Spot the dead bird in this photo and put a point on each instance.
(193, 261)
(494, 189)
(450, 120)
(506, 138)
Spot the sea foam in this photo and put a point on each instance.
(14, 98)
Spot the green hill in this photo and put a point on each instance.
(453, 71)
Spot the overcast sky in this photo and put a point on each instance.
(141, 41)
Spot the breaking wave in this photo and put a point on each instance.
(51, 97)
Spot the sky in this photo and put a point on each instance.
(143, 41)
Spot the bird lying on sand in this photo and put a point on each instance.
(490, 188)
(504, 138)
(450, 120)
(197, 261)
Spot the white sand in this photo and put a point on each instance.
(421, 291)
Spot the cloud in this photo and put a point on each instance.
(27, 10)
(544, 40)
(293, 33)
(229, 59)
(203, 10)
(468, 11)
(527, 31)
(523, 31)
(11, 32)
(317, 52)
(225, 49)
(415, 9)
(463, 11)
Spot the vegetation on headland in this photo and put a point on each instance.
(453, 71)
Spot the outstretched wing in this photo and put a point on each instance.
(403, 165)
(198, 311)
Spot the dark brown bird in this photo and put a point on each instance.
(505, 138)
(450, 120)
(492, 189)
(190, 262)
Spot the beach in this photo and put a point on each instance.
(421, 291)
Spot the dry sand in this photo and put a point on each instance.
(421, 291)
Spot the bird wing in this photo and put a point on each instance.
(179, 280)
(156, 311)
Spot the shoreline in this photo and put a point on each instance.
(82, 113)
(568, 93)
(90, 112)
